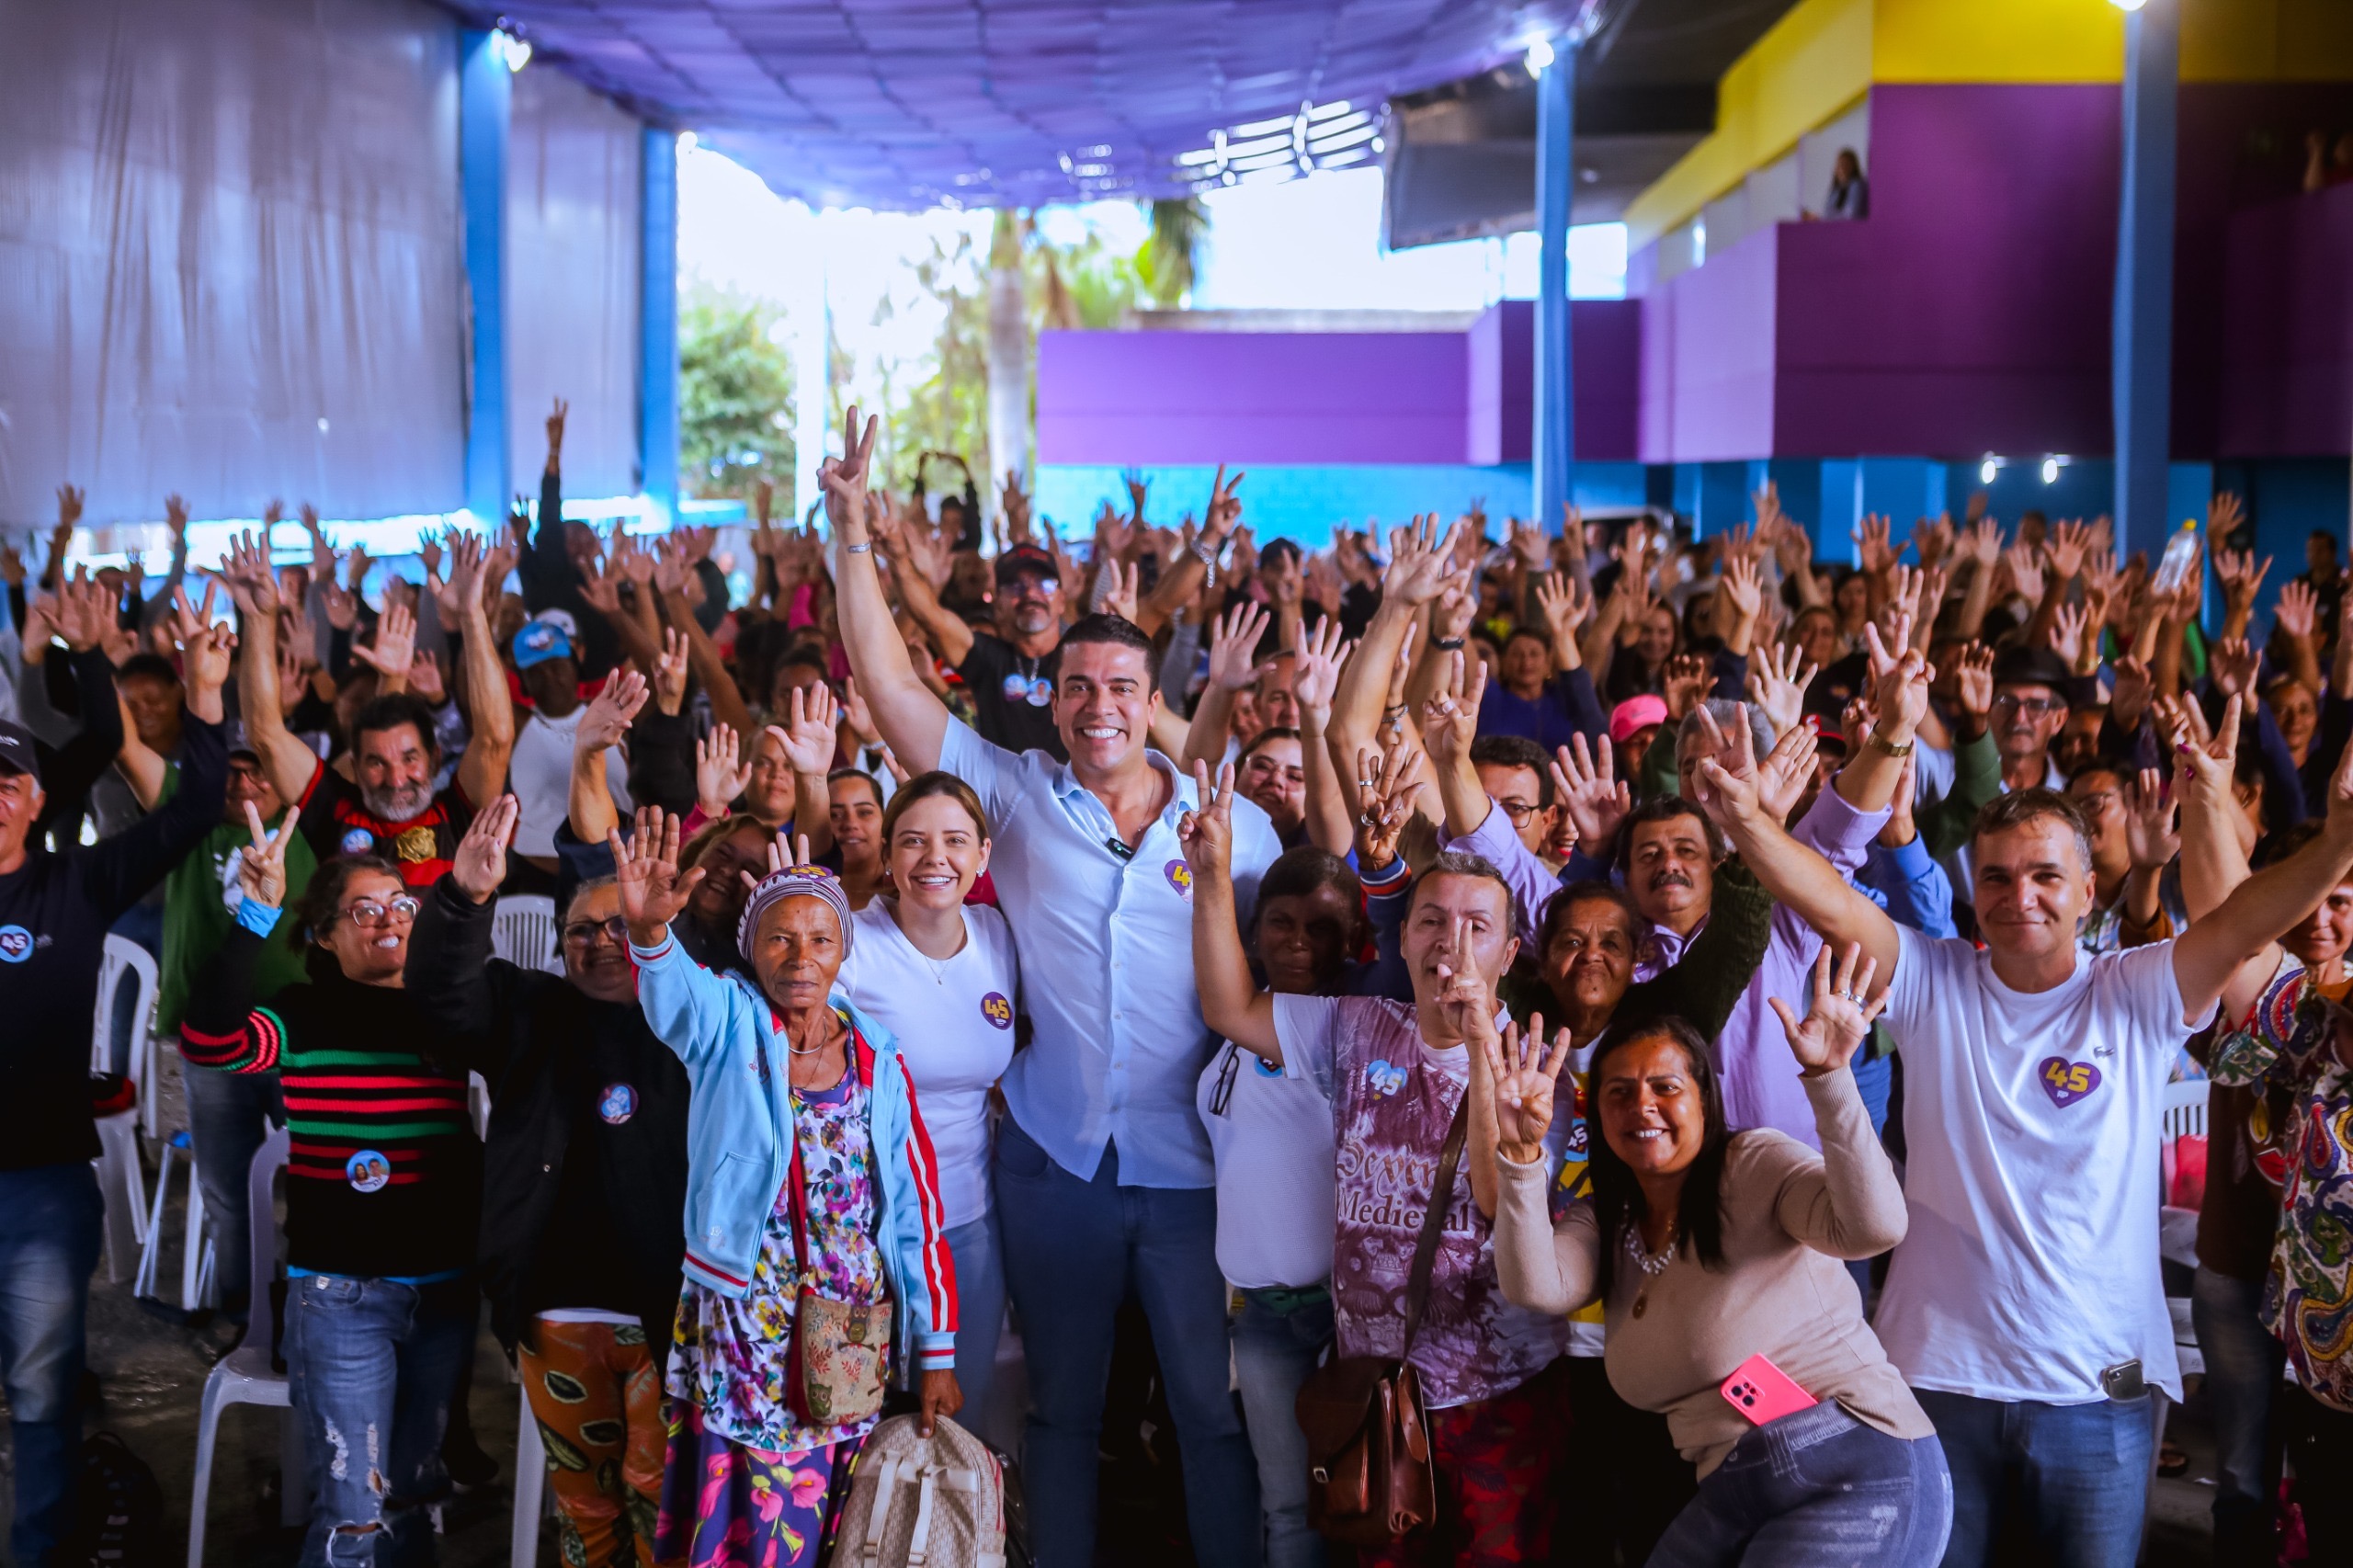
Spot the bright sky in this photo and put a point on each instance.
(1308, 243)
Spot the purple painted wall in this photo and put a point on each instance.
(1971, 313)
(1242, 397)
(2286, 374)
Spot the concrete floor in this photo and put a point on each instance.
(152, 1373)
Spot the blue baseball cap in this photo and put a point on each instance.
(538, 641)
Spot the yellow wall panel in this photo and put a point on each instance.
(1998, 40)
(1807, 68)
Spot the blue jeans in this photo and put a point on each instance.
(228, 1115)
(371, 1364)
(2080, 1472)
(980, 1311)
(50, 1218)
(1816, 1490)
(1273, 1353)
(1073, 1251)
(2243, 1365)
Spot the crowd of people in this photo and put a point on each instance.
(1585, 1048)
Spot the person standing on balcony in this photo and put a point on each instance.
(1851, 191)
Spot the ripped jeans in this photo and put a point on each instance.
(371, 1364)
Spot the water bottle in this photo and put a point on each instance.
(2180, 551)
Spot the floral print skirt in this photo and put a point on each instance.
(726, 1506)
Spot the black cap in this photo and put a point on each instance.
(2032, 666)
(16, 751)
(1025, 558)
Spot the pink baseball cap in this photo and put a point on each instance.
(1636, 713)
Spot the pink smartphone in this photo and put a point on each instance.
(1762, 1391)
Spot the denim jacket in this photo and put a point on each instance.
(737, 1162)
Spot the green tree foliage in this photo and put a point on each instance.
(947, 411)
(1165, 265)
(734, 393)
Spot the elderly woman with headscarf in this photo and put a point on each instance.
(816, 1265)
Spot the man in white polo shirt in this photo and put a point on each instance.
(2024, 1305)
(1105, 1185)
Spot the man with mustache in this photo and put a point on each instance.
(388, 806)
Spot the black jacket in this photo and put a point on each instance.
(551, 1057)
(54, 912)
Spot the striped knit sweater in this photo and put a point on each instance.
(384, 1177)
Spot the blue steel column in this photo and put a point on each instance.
(1554, 446)
(485, 100)
(2140, 350)
(658, 327)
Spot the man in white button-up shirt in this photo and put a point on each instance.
(1104, 1180)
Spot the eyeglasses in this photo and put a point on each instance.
(585, 931)
(1517, 811)
(2032, 707)
(368, 912)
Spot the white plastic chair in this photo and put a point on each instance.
(245, 1376)
(530, 1488)
(2184, 1108)
(121, 1182)
(196, 1254)
(522, 931)
(123, 953)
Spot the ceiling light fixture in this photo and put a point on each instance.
(1540, 55)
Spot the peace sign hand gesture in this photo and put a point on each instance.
(1844, 1006)
(1207, 833)
(261, 866)
(1526, 1074)
(1386, 791)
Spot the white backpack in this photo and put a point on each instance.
(915, 1502)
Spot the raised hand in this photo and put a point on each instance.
(1900, 678)
(252, 584)
(1741, 590)
(843, 478)
(720, 772)
(460, 598)
(1844, 1006)
(1206, 834)
(1932, 539)
(2149, 833)
(1450, 717)
(480, 865)
(1385, 791)
(1727, 786)
(1585, 784)
(1528, 545)
(1119, 588)
(394, 650)
(1464, 998)
(1687, 680)
(785, 851)
(653, 890)
(1982, 540)
(555, 431)
(424, 677)
(1524, 1076)
(2241, 579)
(1225, 511)
(1317, 677)
(2299, 610)
(1419, 555)
(810, 732)
(2063, 555)
(1777, 677)
(1233, 643)
(1564, 608)
(1872, 539)
(1786, 772)
(261, 865)
(608, 714)
(2070, 625)
(2234, 666)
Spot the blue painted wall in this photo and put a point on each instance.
(1305, 502)
(485, 106)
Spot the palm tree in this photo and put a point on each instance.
(1165, 263)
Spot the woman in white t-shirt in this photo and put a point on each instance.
(939, 974)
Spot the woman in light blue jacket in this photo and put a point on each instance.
(812, 1217)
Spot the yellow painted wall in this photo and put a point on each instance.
(1814, 62)
(1809, 66)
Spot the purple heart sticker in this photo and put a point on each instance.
(2066, 1082)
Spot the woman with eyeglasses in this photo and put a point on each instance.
(583, 1177)
(383, 1188)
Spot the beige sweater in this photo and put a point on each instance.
(1789, 1216)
